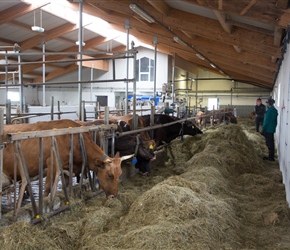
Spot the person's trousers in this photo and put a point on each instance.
(270, 144)
(259, 120)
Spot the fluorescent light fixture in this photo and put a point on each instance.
(78, 43)
(37, 29)
(211, 64)
(178, 40)
(221, 71)
(141, 13)
(199, 56)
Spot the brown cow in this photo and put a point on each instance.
(108, 169)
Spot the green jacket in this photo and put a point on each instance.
(270, 120)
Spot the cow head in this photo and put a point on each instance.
(189, 128)
(109, 172)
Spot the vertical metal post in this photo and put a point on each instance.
(127, 27)
(71, 153)
(155, 41)
(231, 97)
(1, 152)
(83, 111)
(106, 120)
(92, 78)
(58, 110)
(134, 88)
(196, 91)
(80, 77)
(6, 79)
(40, 207)
(152, 121)
(172, 78)
(8, 111)
(20, 76)
(43, 71)
(51, 108)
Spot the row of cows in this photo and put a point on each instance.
(108, 169)
(215, 117)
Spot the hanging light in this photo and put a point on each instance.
(35, 27)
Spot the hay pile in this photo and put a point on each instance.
(213, 192)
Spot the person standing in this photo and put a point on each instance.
(269, 128)
(260, 109)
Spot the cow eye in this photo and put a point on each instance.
(111, 176)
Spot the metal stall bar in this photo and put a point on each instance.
(127, 27)
(80, 73)
(20, 161)
(134, 88)
(71, 154)
(1, 152)
(58, 164)
(40, 181)
(19, 158)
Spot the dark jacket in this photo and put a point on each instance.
(270, 120)
(260, 110)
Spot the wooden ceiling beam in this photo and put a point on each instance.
(262, 11)
(51, 34)
(56, 73)
(249, 6)
(19, 10)
(200, 26)
(160, 5)
(221, 16)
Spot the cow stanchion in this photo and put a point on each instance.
(20, 163)
(59, 172)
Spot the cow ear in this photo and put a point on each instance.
(99, 163)
(117, 155)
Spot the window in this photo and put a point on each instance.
(145, 70)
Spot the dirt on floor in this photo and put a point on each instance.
(210, 191)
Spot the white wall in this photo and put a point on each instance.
(243, 94)
(68, 95)
(281, 94)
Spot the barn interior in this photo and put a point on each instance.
(83, 59)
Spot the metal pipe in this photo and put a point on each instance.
(127, 27)
(68, 82)
(8, 111)
(61, 53)
(80, 77)
(134, 88)
(20, 80)
(173, 77)
(58, 110)
(6, 79)
(196, 92)
(1, 152)
(51, 108)
(66, 61)
(155, 41)
(43, 71)
(92, 77)
(40, 187)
